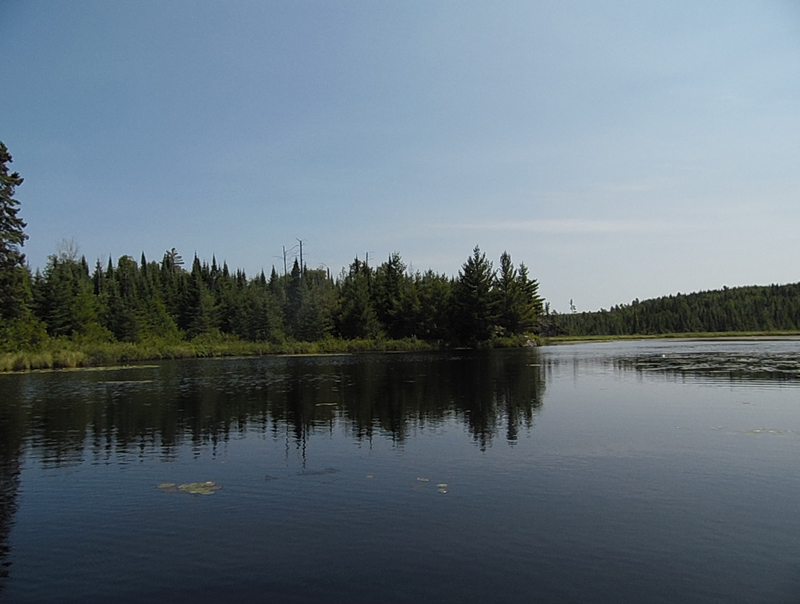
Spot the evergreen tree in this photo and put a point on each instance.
(509, 296)
(389, 293)
(14, 293)
(198, 308)
(296, 292)
(314, 318)
(122, 316)
(529, 303)
(474, 300)
(434, 300)
(356, 317)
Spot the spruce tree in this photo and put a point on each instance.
(475, 300)
(14, 294)
(356, 317)
(388, 293)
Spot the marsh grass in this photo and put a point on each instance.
(65, 353)
(71, 353)
(43, 359)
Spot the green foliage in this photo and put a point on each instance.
(434, 295)
(357, 317)
(313, 319)
(23, 333)
(741, 309)
(390, 297)
(475, 300)
(14, 292)
(519, 303)
(132, 311)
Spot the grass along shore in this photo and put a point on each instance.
(64, 353)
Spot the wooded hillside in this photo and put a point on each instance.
(751, 308)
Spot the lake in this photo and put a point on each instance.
(651, 471)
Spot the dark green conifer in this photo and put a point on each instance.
(474, 300)
(356, 317)
(14, 295)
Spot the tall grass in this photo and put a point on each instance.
(64, 353)
(44, 359)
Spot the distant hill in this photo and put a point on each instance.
(750, 308)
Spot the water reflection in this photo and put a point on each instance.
(621, 481)
(722, 366)
(734, 362)
(103, 416)
(12, 430)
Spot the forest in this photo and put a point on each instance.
(754, 308)
(70, 313)
(170, 301)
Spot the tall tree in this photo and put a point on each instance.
(434, 297)
(531, 303)
(14, 295)
(389, 293)
(474, 299)
(198, 314)
(519, 303)
(356, 317)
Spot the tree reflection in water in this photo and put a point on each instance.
(12, 433)
(68, 418)
(71, 417)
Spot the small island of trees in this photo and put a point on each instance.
(72, 314)
(69, 314)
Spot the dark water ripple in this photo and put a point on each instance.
(621, 472)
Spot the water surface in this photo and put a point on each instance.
(625, 472)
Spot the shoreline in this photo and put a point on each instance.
(68, 355)
(695, 336)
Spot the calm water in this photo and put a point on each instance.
(622, 472)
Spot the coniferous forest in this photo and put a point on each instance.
(753, 308)
(72, 313)
(167, 302)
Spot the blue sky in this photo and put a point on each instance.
(620, 149)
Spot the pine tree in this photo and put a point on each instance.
(14, 295)
(198, 314)
(389, 293)
(474, 299)
(531, 304)
(356, 317)
(509, 296)
(434, 300)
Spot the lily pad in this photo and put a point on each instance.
(199, 488)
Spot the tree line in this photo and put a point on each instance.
(132, 301)
(750, 308)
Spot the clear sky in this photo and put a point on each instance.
(621, 149)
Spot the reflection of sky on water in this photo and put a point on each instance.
(762, 362)
(612, 484)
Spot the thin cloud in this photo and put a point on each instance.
(566, 226)
(624, 187)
